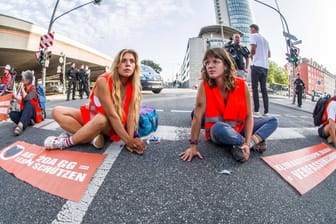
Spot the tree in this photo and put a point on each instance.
(276, 74)
(152, 64)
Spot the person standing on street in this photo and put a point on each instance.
(240, 55)
(260, 52)
(83, 82)
(72, 79)
(299, 87)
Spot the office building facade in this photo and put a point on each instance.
(236, 14)
(231, 17)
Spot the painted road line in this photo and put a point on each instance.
(73, 212)
(180, 111)
(173, 133)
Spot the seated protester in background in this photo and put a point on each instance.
(6, 80)
(113, 109)
(225, 101)
(27, 96)
(327, 129)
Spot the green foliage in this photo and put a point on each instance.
(276, 74)
(152, 64)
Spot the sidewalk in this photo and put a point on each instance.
(307, 104)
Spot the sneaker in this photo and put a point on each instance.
(256, 114)
(260, 147)
(238, 153)
(98, 141)
(53, 142)
(265, 115)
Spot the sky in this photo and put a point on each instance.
(159, 29)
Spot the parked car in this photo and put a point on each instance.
(150, 80)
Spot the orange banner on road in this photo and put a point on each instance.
(304, 168)
(5, 101)
(59, 172)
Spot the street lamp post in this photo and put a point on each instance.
(52, 20)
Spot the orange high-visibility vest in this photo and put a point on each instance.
(35, 102)
(93, 106)
(233, 113)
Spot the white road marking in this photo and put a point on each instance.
(180, 111)
(73, 212)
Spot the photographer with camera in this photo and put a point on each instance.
(239, 53)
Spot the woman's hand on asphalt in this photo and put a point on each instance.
(247, 150)
(190, 153)
(136, 145)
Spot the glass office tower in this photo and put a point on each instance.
(236, 14)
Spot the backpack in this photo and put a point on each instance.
(42, 99)
(319, 110)
(148, 121)
(41, 96)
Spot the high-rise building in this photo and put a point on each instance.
(233, 16)
(236, 14)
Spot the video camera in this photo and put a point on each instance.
(229, 45)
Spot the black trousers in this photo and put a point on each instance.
(259, 75)
(71, 83)
(25, 115)
(299, 97)
(83, 87)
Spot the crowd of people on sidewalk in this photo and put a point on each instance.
(224, 107)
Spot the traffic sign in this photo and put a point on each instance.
(46, 40)
(37, 55)
(288, 35)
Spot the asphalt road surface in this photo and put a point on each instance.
(158, 187)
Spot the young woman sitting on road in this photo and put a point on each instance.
(225, 102)
(112, 109)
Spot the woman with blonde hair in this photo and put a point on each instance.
(112, 110)
(223, 101)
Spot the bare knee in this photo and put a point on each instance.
(101, 120)
(57, 112)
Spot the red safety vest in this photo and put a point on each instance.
(35, 103)
(7, 77)
(93, 107)
(234, 112)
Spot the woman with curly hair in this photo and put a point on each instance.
(112, 110)
(223, 102)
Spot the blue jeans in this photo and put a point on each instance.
(25, 115)
(223, 134)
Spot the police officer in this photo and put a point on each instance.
(72, 79)
(240, 55)
(83, 82)
(299, 88)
